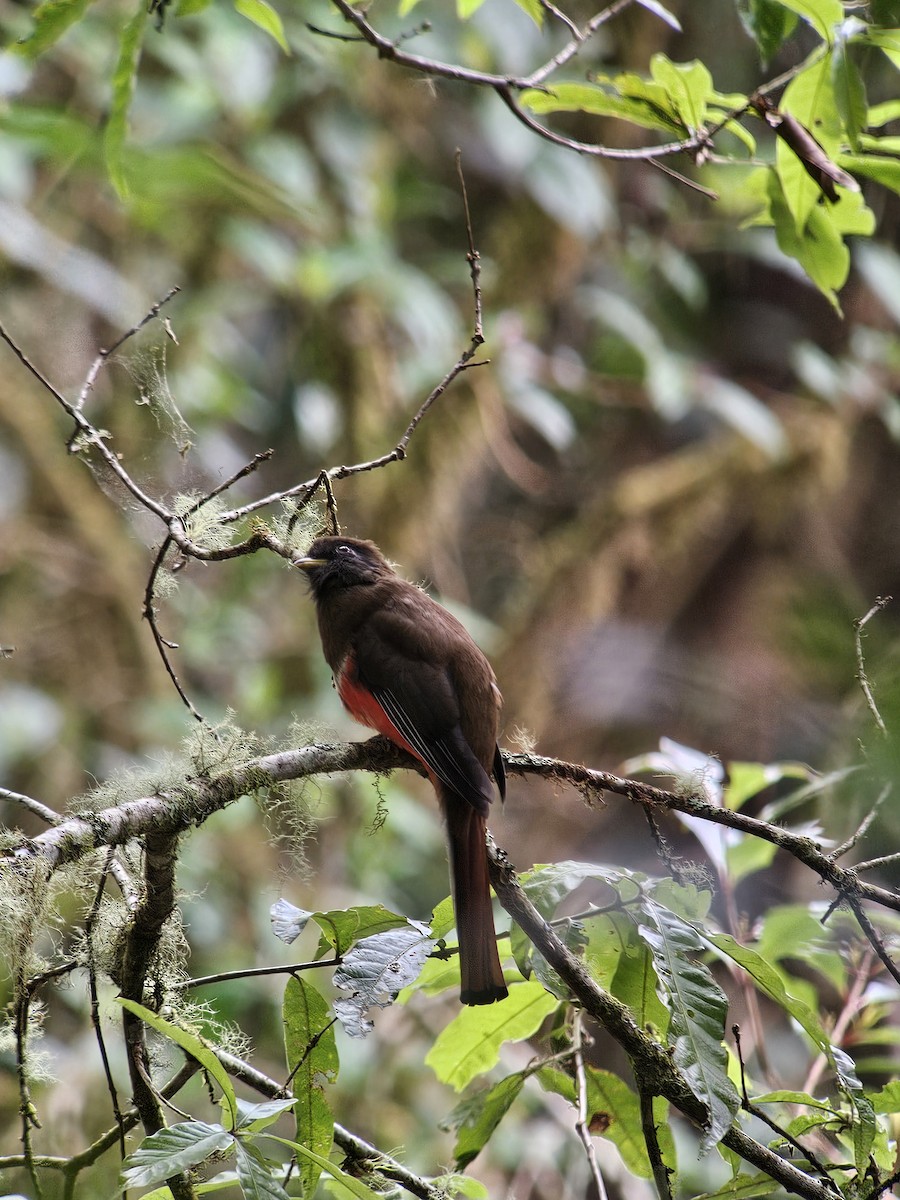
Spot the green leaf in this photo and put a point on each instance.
(547, 885)
(264, 16)
(592, 98)
(888, 1099)
(769, 23)
(534, 9)
(864, 1129)
(698, 1008)
(170, 1151)
(786, 1096)
(309, 1041)
(817, 246)
(748, 779)
(885, 171)
(466, 8)
(810, 99)
(193, 1045)
(341, 1184)
(742, 1187)
(470, 1044)
(635, 982)
(769, 981)
(453, 1185)
(123, 84)
(344, 926)
(614, 1112)
(254, 1117)
(822, 15)
(849, 93)
(51, 20)
(881, 114)
(476, 1118)
(255, 1176)
(688, 86)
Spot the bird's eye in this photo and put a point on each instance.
(343, 550)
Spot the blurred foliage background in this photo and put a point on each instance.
(660, 507)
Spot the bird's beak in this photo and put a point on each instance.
(307, 564)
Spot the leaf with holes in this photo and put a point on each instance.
(699, 1009)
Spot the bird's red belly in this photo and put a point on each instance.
(363, 707)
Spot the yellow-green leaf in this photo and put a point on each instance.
(265, 17)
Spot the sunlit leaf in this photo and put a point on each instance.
(688, 86)
(470, 1044)
(51, 20)
(822, 15)
(606, 102)
(264, 17)
(534, 9)
(769, 23)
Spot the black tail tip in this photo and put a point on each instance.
(485, 996)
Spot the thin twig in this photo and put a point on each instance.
(34, 806)
(253, 972)
(92, 435)
(473, 257)
(763, 1116)
(887, 860)
(104, 355)
(163, 645)
(846, 1016)
(89, 923)
(582, 1124)
(874, 938)
(661, 1172)
(880, 603)
(863, 828)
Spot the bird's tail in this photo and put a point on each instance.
(479, 962)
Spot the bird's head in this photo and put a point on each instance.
(341, 562)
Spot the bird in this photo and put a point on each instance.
(405, 667)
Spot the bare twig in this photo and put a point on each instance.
(89, 923)
(473, 257)
(34, 806)
(582, 1124)
(366, 1156)
(863, 829)
(104, 355)
(859, 625)
(845, 1018)
(761, 1115)
(253, 972)
(661, 1172)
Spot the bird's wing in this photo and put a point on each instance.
(406, 671)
